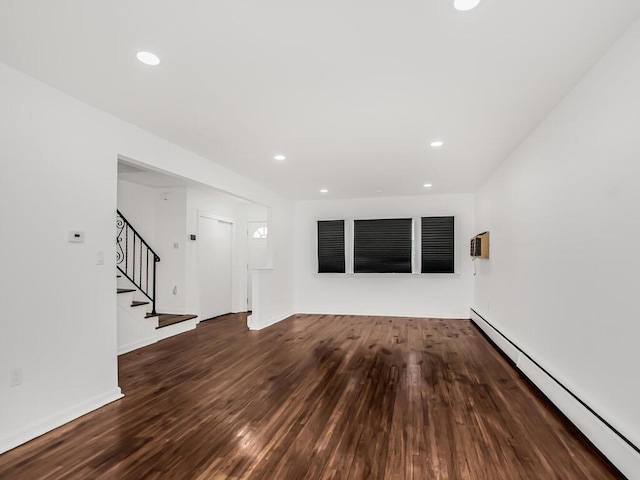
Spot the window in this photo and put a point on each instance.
(331, 257)
(437, 245)
(383, 246)
(387, 245)
(260, 232)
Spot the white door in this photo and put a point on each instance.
(256, 251)
(214, 259)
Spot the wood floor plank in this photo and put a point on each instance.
(317, 397)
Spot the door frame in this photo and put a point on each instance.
(249, 272)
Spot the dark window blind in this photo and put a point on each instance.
(382, 246)
(331, 246)
(437, 245)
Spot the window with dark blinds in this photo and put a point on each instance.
(437, 245)
(382, 246)
(331, 246)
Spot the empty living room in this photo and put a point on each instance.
(319, 240)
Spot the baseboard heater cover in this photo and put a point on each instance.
(620, 451)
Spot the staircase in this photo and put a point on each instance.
(138, 322)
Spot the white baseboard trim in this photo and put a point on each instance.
(446, 316)
(135, 345)
(57, 420)
(619, 450)
(255, 323)
(159, 334)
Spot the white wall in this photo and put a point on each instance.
(171, 228)
(272, 286)
(138, 204)
(563, 214)
(257, 213)
(59, 307)
(444, 296)
(58, 160)
(159, 216)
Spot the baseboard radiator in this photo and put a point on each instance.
(614, 445)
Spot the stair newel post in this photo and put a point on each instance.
(153, 302)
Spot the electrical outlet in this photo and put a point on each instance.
(176, 245)
(175, 290)
(15, 377)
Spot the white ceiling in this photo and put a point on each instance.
(351, 92)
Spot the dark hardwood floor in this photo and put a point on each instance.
(317, 397)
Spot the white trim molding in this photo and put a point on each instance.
(145, 342)
(40, 428)
(254, 322)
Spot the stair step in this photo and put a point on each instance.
(125, 290)
(135, 303)
(165, 319)
(149, 315)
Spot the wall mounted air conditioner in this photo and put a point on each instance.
(480, 245)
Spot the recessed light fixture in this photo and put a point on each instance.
(279, 157)
(437, 143)
(148, 58)
(427, 185)
(324, 190)
(464, 5)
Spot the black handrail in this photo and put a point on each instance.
(127, 260)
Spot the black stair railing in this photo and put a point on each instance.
(135, 259)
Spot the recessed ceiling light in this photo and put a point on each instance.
(427, 185)
(437, 143)
(148, 58)
(324, 190)
(464, 5)
(378, 191)
(279, 157)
